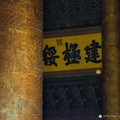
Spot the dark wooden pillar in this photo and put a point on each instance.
(111, 58)
(20, 59)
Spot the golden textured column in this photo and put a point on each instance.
(111, 58)
(20, 59)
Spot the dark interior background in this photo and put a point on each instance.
(78, 97)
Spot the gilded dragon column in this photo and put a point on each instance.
(111, 58)
(21, 59)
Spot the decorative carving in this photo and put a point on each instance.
(72, 95)
(64, 14)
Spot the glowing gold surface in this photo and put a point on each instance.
(111, 58)
(20, 59)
